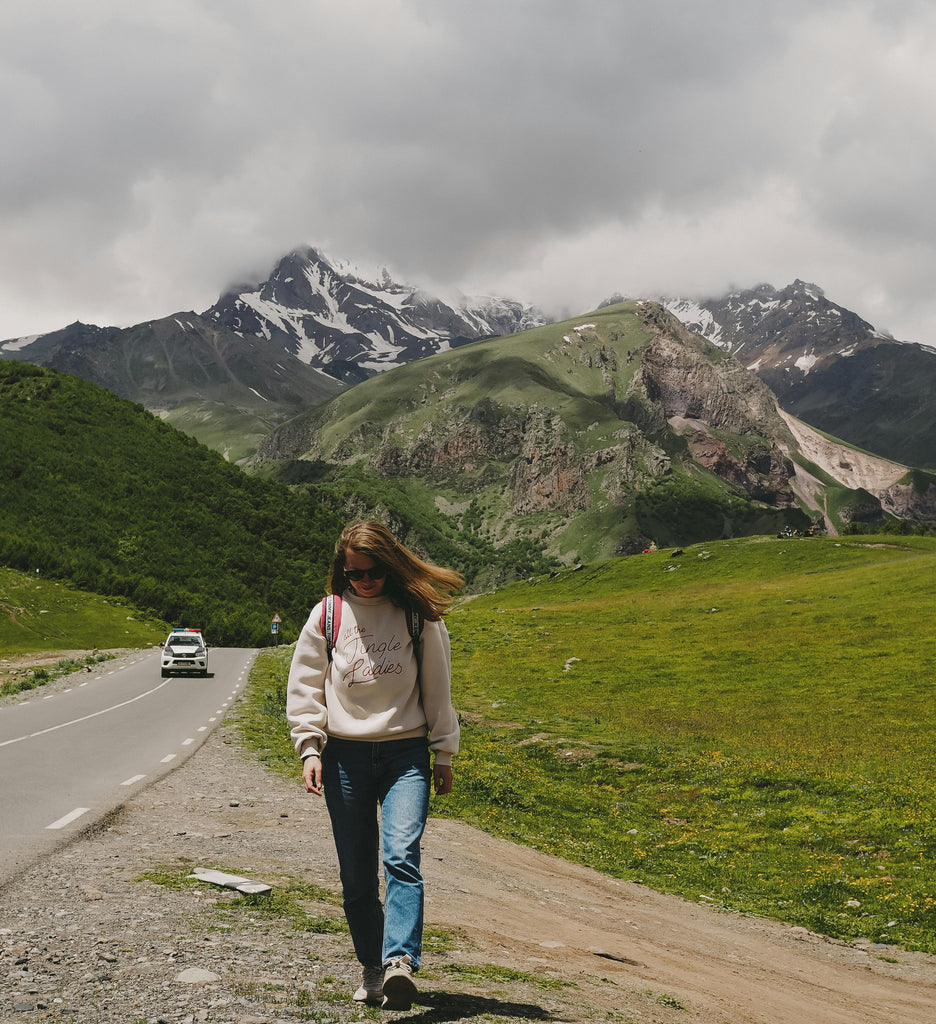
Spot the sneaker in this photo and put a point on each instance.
(398, 986)
(371, 990)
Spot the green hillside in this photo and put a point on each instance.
(749, 724)
(547, 367)
(37, 614)
(539, 367)
(97, 491)
(234, 432)
(50, 628)
(583, 439)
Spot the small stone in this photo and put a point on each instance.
(197, 976)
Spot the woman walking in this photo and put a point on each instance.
(369, 704)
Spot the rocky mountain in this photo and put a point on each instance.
(828, 366)
(354, 323)
(166, 361)
(589, 438)
(226, 389)
(266, 351)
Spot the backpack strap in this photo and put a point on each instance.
(331, 621)
(414, 623)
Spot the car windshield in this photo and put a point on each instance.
(185, 641)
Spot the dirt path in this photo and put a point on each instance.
(541, 912)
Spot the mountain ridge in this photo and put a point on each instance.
(327, 324)
(328, 312)
(595, 435)
(265, 351)
(827, 365)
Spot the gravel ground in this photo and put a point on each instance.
(94, 934)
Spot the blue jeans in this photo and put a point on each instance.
(395, 774)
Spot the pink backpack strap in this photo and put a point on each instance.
(331, 621)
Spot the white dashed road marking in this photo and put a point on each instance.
(69, 818)
(84, 718)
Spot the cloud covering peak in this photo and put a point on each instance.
(155, 153)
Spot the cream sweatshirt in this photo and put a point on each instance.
(374, 688)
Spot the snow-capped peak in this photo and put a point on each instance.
(328, 311)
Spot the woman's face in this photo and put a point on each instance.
(356, 561)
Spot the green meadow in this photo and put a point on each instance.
(41, 615)
(748, 724)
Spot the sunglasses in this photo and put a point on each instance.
(377, 572)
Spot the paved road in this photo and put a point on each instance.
(71, 756)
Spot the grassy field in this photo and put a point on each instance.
(235, 433)
(40, 615)
(748, 724)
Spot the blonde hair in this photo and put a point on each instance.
(411, 582)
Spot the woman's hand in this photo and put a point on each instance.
(442, 777)
(312, 774)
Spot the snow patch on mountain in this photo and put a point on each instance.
(790, 329)
(18, 344)
(696, 317)
(806, 362)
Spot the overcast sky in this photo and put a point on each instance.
(155, 151)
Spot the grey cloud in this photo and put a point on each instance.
(159, 151)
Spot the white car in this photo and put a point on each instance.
(185, 650)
